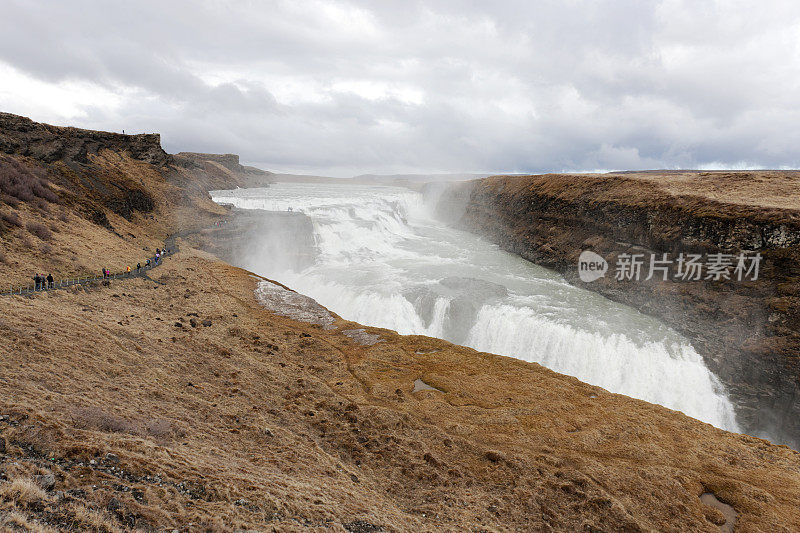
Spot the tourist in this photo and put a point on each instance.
(36, 282)
(50, 281)
(128, 270)
(138, 267)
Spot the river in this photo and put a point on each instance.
(383, 258)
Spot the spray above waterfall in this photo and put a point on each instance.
(381, 258)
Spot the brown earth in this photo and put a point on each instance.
(257, 421)
(181, 402)
(748, 332)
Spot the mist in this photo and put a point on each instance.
(379, 256)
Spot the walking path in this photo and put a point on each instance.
(169, 245)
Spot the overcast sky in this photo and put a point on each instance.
(341, 88)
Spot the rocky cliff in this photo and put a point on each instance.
(179, 401)
(64, 190)
(748, 331)
(223, 171)
(46, 143)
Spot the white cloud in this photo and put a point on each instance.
(65, 100)
(350, 87)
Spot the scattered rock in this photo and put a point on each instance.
(494, 456)
(420, 385)
(113, 505)
(178, 325)
(362, 337)
(360, 526)
(207, 322)
(112, 458)
(293, 305)
(193, 322)
(2, 445)
(46, 481)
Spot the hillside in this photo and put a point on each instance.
(221, 171)
(194, 401)
(75, 201)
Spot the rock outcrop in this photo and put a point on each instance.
(46, 143)
(747, 331)
(112, 177)
(223, 171)
(179, 401)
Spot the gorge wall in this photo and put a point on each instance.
(46, 143)
(747, 331)
(223, 171)
(178, 401)
(63, 189)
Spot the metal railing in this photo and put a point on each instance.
(81, 280)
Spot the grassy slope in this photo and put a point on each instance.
(298, 425)
(258, 421)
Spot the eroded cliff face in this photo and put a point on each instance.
(65, 190)
(222, 171)
(748, 331)
(179, 401)
(43, 142)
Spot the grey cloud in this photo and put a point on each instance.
(509, 86)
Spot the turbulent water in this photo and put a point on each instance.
(383, 259)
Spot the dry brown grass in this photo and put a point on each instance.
(23, 493)
(732, 193)
(261, 422)
(86, 519)
(299, 424)
(16, 521)
(79, 247)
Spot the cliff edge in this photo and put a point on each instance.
(198, 398)
(748, 330)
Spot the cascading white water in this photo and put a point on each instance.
(384, 260)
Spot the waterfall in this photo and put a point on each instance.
(382, 259)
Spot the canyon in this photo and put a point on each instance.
(184, 400)
(747, 331)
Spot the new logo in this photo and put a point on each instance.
(591, 266)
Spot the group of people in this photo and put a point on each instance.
(41, 282)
